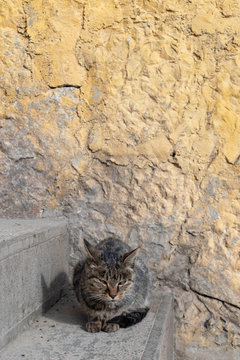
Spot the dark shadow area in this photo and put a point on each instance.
(52, 293)
(60, 303)
(77, 273)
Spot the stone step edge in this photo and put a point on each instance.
(31, 238)
(160, 343)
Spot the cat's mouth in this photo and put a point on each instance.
(113, 300)
(112, 304)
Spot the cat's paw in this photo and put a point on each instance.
(110, 327)
(94, 326)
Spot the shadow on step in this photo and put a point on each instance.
(60, 303)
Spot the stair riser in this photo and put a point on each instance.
(33, 275)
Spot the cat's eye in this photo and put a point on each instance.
(97, 280)
(122, 282)
(102, 281)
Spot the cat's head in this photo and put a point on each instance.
(109, 276)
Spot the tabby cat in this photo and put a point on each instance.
(113, 286)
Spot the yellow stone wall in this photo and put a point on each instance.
(124, 116)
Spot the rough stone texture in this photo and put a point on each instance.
(34, 256)
(61, 334)
(124, 117)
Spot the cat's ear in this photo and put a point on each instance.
(93, 253)
(130, 257)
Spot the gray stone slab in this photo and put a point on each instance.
(161, 338)
(19, 234)
(60, 334)
(34, 256)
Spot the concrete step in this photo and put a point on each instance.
(60, 334)
(34, 258)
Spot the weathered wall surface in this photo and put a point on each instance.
(124, 116)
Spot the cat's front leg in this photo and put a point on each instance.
(94, 325)
(110, 327)
(97, 324)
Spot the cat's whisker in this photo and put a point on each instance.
(96, 297)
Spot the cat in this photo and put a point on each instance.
(113, 285)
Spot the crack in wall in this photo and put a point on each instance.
(215, 298)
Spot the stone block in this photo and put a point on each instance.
(33, 271)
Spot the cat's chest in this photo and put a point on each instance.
(111, 308)
(106, 311)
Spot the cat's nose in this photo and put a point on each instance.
(112, 295)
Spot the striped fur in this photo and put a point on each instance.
(113, 285)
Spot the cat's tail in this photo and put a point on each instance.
(128, 319)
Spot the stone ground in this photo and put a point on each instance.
(60, 335)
